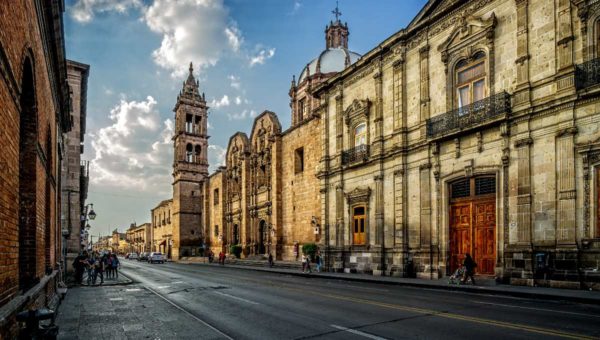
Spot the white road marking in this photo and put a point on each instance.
(163, 287)
(133, 290)
(238, 298)
(354, 331)
(176, 282)
(540, 309)
(116, 299)
(190, 314)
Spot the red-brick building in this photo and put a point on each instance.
(34, 98)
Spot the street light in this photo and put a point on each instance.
(92, 213)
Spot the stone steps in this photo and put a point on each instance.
(264, 263)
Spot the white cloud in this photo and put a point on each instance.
(297, 5)
(224, 101)
(192, 30)
(235, 82)
(83, 10)
(238, 116)
(238, 100)
(216, 156)
(262, 56)
(134, 152)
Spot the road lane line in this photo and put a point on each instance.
(237, 298)
(540, 309)
(510, 325)
(354, 331)
(163, 287)
(190, 314)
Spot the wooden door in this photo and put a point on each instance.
(358, 226)
(460, 233)
(484, 232)
(473, 223)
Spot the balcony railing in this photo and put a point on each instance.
(587, 74)
(358, 153)
(467, 117)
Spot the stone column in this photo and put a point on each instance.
(379, 236)
(524, 191)
(522, 94)
(566, 190)
(424, 87)
(398, 87)
(339, 215)
(425, 198)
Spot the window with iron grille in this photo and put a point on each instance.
(485, 185)
(461, 188)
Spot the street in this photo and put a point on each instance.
(245, 304)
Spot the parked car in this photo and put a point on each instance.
(156, 257)
(143, 257)
(132, 256)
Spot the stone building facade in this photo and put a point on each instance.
(138, 237)
(34, 97)
(74, 172)
(266, 198)
(472, 130)
(162, 228)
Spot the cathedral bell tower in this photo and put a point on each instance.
(190, 168)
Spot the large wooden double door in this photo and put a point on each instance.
(473, 224)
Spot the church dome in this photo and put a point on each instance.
(334, 59)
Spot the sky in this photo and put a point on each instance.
(244, 52)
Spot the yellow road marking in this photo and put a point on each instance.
(424, 311)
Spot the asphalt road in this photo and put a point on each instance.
(244, 304)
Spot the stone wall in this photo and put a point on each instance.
(300, 187)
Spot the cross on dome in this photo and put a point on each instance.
(337, 12)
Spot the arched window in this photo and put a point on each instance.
(470, 80)
(189, 153)
(197, 153)
(360, 134)
(28, 139)
(188, 124)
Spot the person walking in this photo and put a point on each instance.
(303, 263)
(109, 268)
(271, 263)
(115, 266)
(79, 265)
(470, 265)
(308, 264)
(100, 266)
(318, 262)
(91, 269)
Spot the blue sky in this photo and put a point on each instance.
(245, 53)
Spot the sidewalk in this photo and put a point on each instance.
(488, 287)
(123, 312)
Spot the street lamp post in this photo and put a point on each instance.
(85, 217)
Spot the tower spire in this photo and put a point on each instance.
(336, 33)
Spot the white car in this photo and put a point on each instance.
(133, 256)
(156, 257)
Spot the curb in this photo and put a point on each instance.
(468, 289)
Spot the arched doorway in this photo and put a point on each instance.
(28, 139)
(236, 235)
(473, 222)
(262, 236)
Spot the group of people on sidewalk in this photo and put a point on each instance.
(96, 264)
(306, 262)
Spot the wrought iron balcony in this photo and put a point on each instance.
(587, 74)
(358, 153)
(477, 114)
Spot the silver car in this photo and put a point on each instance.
(156, 257)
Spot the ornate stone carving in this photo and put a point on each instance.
(358, 195)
